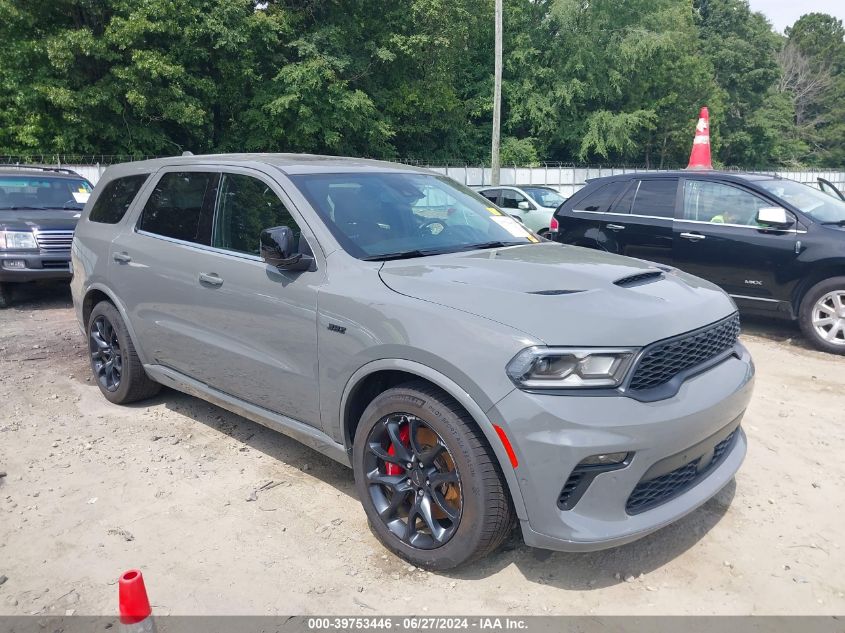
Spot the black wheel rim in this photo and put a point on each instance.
(106, 356)
(413, 481)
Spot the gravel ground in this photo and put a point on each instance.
(227, 517)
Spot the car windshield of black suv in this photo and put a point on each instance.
(42, 192)
(380, 216)
(817, 204)
(545, 197)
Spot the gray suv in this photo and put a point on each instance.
(471, 373)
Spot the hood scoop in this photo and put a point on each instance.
(639, 279)
(553, 292)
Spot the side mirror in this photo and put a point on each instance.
(523, 205)
(277, 249)
(774, 217)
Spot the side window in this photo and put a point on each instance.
(511, 199)
(656, 197)
(707, 201)
(491, 194)
(181, 206)
(623, 204)
(246, 207)
(114, 200)
(600, 199)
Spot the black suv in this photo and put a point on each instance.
(775, 245)
(39, 207)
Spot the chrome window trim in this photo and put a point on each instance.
(624, 215)
(756, 298)
(743, 226)
(200, 247)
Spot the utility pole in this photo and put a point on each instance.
(497, 95)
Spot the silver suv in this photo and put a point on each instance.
(471, 373)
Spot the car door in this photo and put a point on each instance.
(717, 238)
(154, 269)
(583, 218)
(509, 200)
(256, 324)
(640, 220)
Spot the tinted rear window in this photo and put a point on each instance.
(182, 206)
(601, 199)
(656, 197)
(114, 200)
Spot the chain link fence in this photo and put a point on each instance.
(567, 178)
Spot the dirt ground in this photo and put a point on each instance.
(92, 489)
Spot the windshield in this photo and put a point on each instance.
(817, 204)
(42, 192)
(392, 215)
(545, 197)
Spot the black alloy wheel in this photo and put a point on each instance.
(412, 481)
(106, 355)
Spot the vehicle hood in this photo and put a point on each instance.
(563, 295)
(49, 219)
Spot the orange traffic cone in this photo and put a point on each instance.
(699, 157)
(135, 611)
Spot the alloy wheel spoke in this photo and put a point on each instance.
(413, 427)
(439, 478)
(819, 322)
(377, 450)
(398, 446)
(444, 505)
(437, 531)
(396, 501)
(391, 481)
(429, 455)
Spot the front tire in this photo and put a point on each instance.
(114, 361)
(822, 315)
(5, 295)
(429, 483)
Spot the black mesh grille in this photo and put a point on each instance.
(663, 361)
(569, 487)
(653, 492)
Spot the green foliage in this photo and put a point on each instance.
(587, 80)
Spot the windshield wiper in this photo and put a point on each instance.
(834, 223)
(398, 255)
(495, 244)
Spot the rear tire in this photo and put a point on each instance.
(822, 315)
(114, 361)
(470, 512)
(5, 295)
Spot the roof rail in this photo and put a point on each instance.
(60, 170)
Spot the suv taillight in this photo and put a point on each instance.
(553, 225)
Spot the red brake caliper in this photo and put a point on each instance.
(405, 436)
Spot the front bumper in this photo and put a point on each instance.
(551, 434)
(37, 266)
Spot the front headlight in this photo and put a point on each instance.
(17, 240)
(566, 368)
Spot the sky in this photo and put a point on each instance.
(783, 13)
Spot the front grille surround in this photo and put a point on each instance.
(55, 241)
(660, 362)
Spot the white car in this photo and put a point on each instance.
(533, 205)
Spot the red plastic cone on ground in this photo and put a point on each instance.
(699, 157)
(132, 598)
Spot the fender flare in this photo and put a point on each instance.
(121, 308)
(454, 390)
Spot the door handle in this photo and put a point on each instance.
(693, 237)
(615, 227)
(211, 279)
(122, 258)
